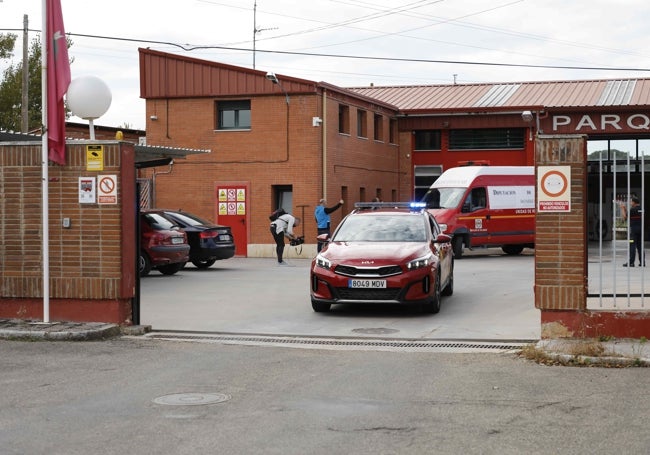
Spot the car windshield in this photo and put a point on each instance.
(443, 198)
(382, 228)
(190, 220)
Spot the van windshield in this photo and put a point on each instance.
(443, 198)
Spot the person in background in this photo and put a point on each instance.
(281, 228)
(634, 225)
(322, 215)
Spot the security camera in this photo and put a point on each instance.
(527, 116)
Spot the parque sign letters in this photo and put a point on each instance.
(602, 123)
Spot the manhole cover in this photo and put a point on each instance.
(375, 331)
(191, 399)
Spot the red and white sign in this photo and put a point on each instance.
(554, 189)
(107, 189)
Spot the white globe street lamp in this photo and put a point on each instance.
(89, 98)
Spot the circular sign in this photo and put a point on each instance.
(554, 183)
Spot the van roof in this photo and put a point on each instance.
(464, 175)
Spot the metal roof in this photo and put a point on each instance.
(515, 95)
(145, 155)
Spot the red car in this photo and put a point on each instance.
(384, 253)
(163, 245)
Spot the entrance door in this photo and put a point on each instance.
(232, 210)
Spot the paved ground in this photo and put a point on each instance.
(253, 301)
(493, 300)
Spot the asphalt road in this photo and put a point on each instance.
(143, 396)
(493, 300)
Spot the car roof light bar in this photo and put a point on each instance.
(389, 205)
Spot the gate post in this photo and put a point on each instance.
(561, 241)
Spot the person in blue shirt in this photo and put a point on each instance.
(322, 215)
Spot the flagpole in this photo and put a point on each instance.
(45, 203)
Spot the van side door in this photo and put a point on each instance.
(475, 215)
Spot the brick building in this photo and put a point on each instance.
(282, 141)
(268, 141)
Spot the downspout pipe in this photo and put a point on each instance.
(324, 142)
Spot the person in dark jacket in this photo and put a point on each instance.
(634, 225)
(322, 215)
(280, 228)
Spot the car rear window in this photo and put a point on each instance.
(190, 220)
(157, 221)
(382, 228)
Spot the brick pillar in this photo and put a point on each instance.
(560, 237)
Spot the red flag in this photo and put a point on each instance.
(58, 80)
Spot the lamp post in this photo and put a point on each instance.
(89, 98)
(273, 78)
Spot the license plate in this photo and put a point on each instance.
(366, 283)
(177, 240)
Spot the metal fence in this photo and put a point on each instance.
(613, 281)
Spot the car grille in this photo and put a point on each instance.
(368, 294)
(368, 272)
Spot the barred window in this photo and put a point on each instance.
(487, 139)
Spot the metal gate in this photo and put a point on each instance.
(616, 173)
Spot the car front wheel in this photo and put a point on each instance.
(320, 307)
(433, 305)
(457, 246)
(449, 289)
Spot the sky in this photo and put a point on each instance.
(349, 43)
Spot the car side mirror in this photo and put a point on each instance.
(443, 238)
(323, 238)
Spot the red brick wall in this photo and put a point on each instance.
(560, 238)
(92, 263)
(279, 149)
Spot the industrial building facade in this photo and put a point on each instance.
(277, 141)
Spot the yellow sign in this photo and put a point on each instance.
(94, 157)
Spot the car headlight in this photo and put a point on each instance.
(420, 262)
(443, 227)
(322, 262)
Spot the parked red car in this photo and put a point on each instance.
(163, 245)
(384, 253)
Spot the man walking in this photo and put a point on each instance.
(634, 226)
(322, 215)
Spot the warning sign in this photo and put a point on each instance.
(107, 189)
(554, 189)
(94, 157)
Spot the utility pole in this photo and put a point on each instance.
(24, 104)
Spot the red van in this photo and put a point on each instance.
(485, 206)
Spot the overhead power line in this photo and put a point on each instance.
(189, 48)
